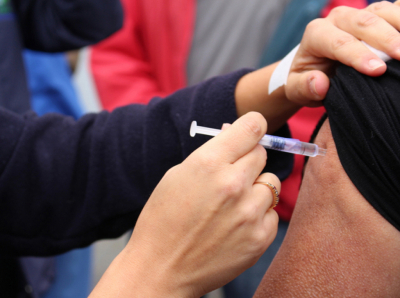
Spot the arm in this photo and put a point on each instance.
(335, 38)
(76, 182)
(63, 25)
(191, 239)
(337, 244)
(107, 156)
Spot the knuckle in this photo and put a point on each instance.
(259, 242)
(232, 186)
(342, 42)
(247, 217)
(336, 11)
(250, 213)
(251, 125)
(377, 6)
(392, 37)
(366, 19)
(208, 163)
(313, 25)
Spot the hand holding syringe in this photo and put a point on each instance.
(270, 142)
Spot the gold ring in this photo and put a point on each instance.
(275, 193)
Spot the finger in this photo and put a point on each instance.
(270, 221)
(388, 11)
(239, 139)
(252, 164)
(271, 178)
(338, 45)
(263, 193)
(374, 25)
(307, 88)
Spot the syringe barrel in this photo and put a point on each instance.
(289, 145)
(308, 149)
(270, 142)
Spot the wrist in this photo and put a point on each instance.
(251, 94)
(150, 274)
(133, 275)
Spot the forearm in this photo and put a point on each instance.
(252, 95)
(121, 279)
(85, 180)
(133, 275)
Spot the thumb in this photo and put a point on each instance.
(307, 88)
(238, 139)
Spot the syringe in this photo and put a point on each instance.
(270, 142)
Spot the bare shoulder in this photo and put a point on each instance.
(337, 244)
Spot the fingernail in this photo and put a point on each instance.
(375, 63)
(225, 126)
(311, 84)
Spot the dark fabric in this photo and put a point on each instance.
(372, 1)
(62, 25)
(47, 25)
(364, 114)
(10, 276)
(14, 93)
(66, 183)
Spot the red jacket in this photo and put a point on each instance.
(147, 57)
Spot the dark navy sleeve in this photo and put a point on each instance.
(66, 183)
(61, 25)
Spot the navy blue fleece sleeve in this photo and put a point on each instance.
(61, 25)
(66, 183)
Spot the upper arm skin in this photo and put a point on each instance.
(337, 245)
